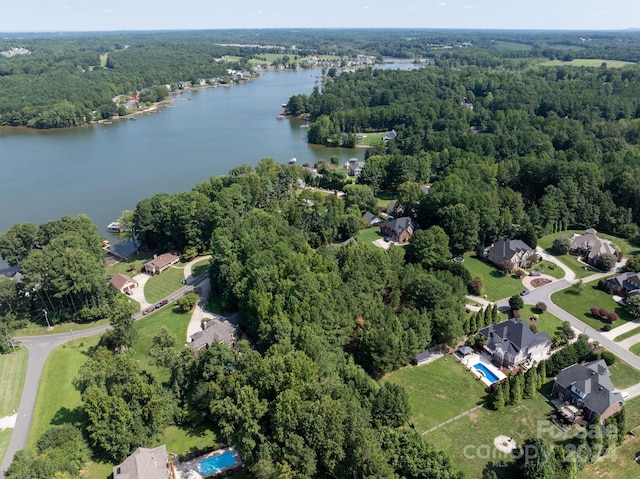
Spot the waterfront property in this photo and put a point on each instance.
(159, 264)
(123, 283)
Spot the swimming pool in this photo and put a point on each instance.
(217, 463)
(487, 373)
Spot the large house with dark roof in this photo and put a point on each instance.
(398, 230)
(516, 251)
(511, 343)
(625, 284)
(589, 388)
(591, 246)
(145, 464)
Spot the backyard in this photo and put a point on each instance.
(496, 286)
(14, 366)
(438, 391)
(131, 267)
(579, 304)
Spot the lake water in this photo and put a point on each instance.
(101, 170)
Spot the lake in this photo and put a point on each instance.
(101, 169)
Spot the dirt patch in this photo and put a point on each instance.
(536, 283)
(504, 444)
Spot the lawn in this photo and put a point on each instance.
(200, 267)
(588, 62)
(627, 335)
(162, 285)
(549, 268)
(579, 305)
(438, 391)
(14, 366)
(545, 322)
(370, 138)
(58, 401)
(620, 244)
(635, 349)
(131, 267)
(469, 440)
(369, 235)
(496, 286)
(384, 198)
(34, 329)
(182, 441)
(623, 375)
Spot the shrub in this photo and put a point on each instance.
(541, 306)
(612, 317)
(595, 311)
(608, 357)
(521, 273)
(475, 286)
(603, 312)
(605, 261)
(607, 327)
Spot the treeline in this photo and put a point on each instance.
(520, 153)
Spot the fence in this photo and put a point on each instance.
(454, 418)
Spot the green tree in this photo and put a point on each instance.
(360, 196)
(605, 262)
(391, 406)
(530, 383)
(560, 246)
(516, 302)
(429, 247)
(497, 398)
(632, 304)
(188, 301)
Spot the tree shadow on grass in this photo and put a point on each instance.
(65, 415)
(497, 274)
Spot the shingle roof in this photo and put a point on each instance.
(514, 335)
(398, 225)
(119, 280)
(508, 248)
(594, 381)
(143, 464)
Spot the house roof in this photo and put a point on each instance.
(119, 280)
(218, 329)
(423, 356)
(398, 225)
(590, 242)
(628, 280)
(371, 218)
(513, 336)
(466, 350)
(591, 383)
(508, 248)
(143, 464)
(163, 260)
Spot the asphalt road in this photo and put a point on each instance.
(39, 348)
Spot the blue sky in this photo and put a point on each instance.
(84, 15)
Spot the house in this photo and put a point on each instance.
(398, 230)
(590, 245)
(371, 219)
(145, 464)
(219, 329)
(625, 284)
(511, 343)
(390, 135)
(161, 263)
(516, 251)
(588, 387)
(355, 166)
(123, 282)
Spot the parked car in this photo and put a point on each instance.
(535, 273)
(524, 292)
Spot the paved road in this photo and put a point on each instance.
(39, 348)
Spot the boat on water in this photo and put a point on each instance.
(280, 117)
(293, 161)
(115, 227)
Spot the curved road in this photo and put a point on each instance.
(39, 348)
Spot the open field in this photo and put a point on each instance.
(438, 391)
(579, 305)
(369, 138)
(34, 329)
(627, 335)
(469, 440)
(162, 285)
(14, 367)
(496, 285)
(58, 401)
(588, 62)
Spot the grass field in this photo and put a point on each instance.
(549, 268)
(34, 329)
(369, 138)
(131, 267)
(588, 62)
(438, 391)
(627, 335)
(545, 322)
(469, 440)
(368, 236)
(14, 367)
(162, 285)
(58, 401)
(579, 305)
(496, 285)
(200, 267)
(623, 375)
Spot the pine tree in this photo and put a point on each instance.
(594, 438)
(497, 398)
(487, 316)
(473, 325)
(494, 313)
(506, 384)
(542, 373)
(466, 325)
(530, 383)
(609, 436)
(517, 387)
(621, 424)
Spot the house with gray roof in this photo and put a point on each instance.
(145, 464)
(588, 387)
(511, 343)
(371, 219)
(398, 230)
(590, 245)
(516, 251)
(625, 284)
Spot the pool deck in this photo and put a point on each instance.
(190, 469)
(470, 361)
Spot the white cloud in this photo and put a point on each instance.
(66, 7)
(106, 11)
(601, 14)
(441, 4)
(470, 7)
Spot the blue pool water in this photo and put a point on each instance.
(487, 373)
(217, 463)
